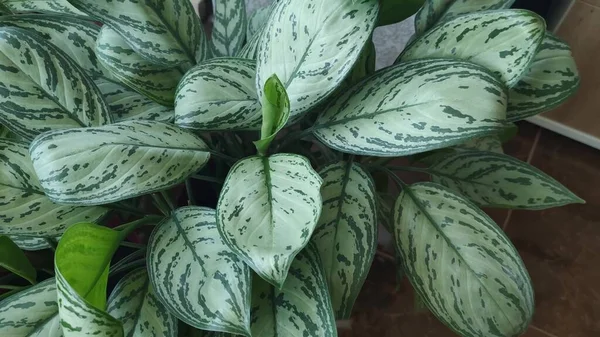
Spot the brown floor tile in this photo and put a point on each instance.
(520, 145)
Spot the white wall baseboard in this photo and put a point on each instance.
(566, 131)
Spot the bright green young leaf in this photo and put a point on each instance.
(551, 79)
(53, 6)
(196, 276)
(300, 307)
(165, 32)
(134, 303)
(414, 107)
(30, 243)
(346, 234)
(229, 27)
(93, 166)
(497, 180)
(219, 94)
(14, 260)
(46, 90)
(257, 20)
(267, 211)
(312, 45)
(24, 208)
(275, 113)
(461, 263)
(504, 41)
(394, 11)
(155, 82)
(459, 7)
(429, 14)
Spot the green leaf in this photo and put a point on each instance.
(257, 20)
(461, 263)
(300, 307)
(394, 11)
(275, 113)
(42, 89)
(414, 107)
(365, 66)
(53, 6)
(459, 7)
(267, 211)
(497, 180)
(24, 208)
(134, 303)
(250, 49)
(228, 99)
(312, 45)
(346, 234)
(196, 276)
(30, 243)
(487, 143)
(153, 81)
(126, 104)
(165, 32)
(92, 166)
(504, 41)
(429, 15)
(551, 79)
(229, 27)
(14, 260)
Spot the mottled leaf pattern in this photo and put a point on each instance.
(346, 234)
(257, 20)
(45, 90)
(30, 243)
(429, 14)
(504, 41)
(196, 276)
(250, 49)
(219, 94)
(487, 143)
(267, 211)
(56, 6)
(229, 27)
(312, 45)
(461, 263)
(459, 7)
(92, 166)
(414, 107)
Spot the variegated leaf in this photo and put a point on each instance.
(134, 303)
(44, 90)
(461, 263)
(30, 243)
(196, 276)
(126, 104)
(219, 94)
(300, 307)
(504, 41)
(497, 180)
(229, 27)
(250, 49)
(346, 234)
(55, 6)
(312, 45)
(429, 15)
(155, 82)
(267, 211)
(92, 166)
(257, 20)
(459, 7)
(488, 143)
(32, 312)
(550, 80)
(24, 208)
(414, 107)
(165, 32)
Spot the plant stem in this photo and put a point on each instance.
(190, 195)
(127, 259)
(222, 156)
(208, 178)
(132, 245)
(292, 137)
(11, 287)
(52, 243)
(168, 200)
(160, 204)
(126, 266)
(393, 175)
(131, 226)
(125, 208)
(12, 292)
(407, 168)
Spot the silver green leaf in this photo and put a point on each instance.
(44, 90)
(165, 32)
(490, 143)
(429, 15)
(267, 211)
(497, 180)
(219, 94)
(30, 243)
(504, 41)
(312, 45)
(414, 107)
(24, 208)
(257, 20)
(300, 307)
(551, 79)
(250, 49)
(134, 303)
(53, 6)
(461, 263)
(155, 82)
(459, 7)
(93, 166)
(196, 276)
(346, 234)
(229, 27)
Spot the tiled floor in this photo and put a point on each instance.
(560, 247)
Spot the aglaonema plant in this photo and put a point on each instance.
(249, 155)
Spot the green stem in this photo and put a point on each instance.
(190, 195)
(12, 292)
(393, 175)
(131, 226)
(52, 243)
(11, 287)
(132, 245)
(293, 137)
(168, 200)
(222, 156)
(125, 208)
(127, 259)
(208, 178)
(127, 266)
(160, 204)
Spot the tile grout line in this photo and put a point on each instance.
(541, 331)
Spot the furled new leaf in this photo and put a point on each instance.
(267, 211)
(257, 20)
(414, 107)
(459, 7)
(45, 90)
(504, 41)
(229, 27)
(93, 166)
(53, 6)
(461, 263)
(219, 94)
(275, 113)
(14, 260)
(346, 234)
(312, 45)
(30, 243)
(429, 14)
(497, 180)
(196, 276)
(394, 11)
